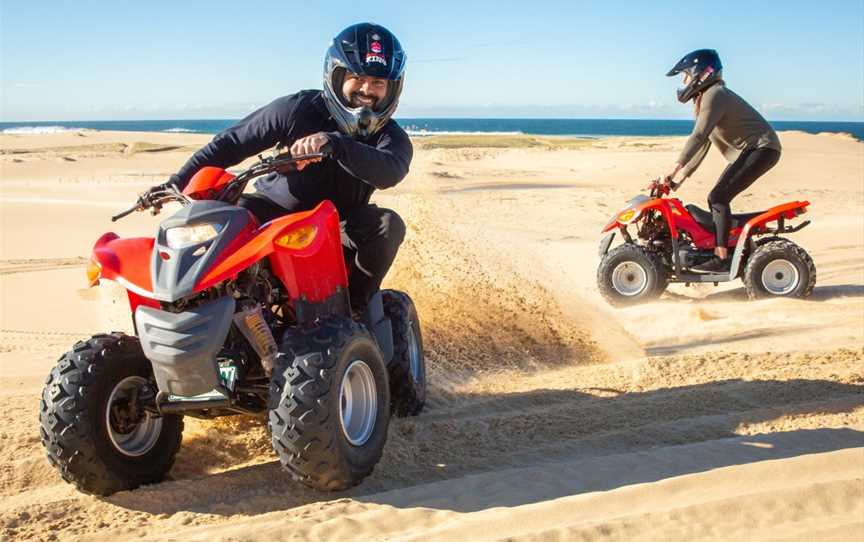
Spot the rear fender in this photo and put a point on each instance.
(786, 211)
(757, 224)
(313, 272)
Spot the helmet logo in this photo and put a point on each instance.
(376, 47)
(370, 57)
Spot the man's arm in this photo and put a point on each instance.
(257, 132)
(382, 166)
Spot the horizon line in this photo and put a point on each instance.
(418, 118)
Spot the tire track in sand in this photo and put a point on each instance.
(27, 265)
(515, 382)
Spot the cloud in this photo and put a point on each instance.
(809, 107)
(811, 111)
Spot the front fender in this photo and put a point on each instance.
(126, 261)
(632, 213)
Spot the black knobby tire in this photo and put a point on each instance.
(74, 422)
(649, 277)
(408, 367)
(792, 272)
(305, 395)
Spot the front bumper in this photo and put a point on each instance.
(182, 347)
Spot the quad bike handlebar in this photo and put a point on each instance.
(662, 187)
(154, 198)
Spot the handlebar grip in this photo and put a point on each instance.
(127, 212)
(141, 204)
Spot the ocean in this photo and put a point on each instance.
(589, 128)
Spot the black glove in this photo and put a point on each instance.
(153, 192)
(152, 199)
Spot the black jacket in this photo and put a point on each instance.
(348, 179)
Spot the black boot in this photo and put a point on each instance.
(714, 265)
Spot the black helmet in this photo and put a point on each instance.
(363, 49)
(696, 64)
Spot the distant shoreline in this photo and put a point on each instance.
(574, 128)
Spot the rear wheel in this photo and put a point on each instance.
(329, 404)
(93, 426)
(408, 367)
(630, 274)
(779, 268)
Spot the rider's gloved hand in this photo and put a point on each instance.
(153, 192)
(152, 198)
(311, 144)
(668, 185)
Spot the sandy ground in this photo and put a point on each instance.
(551, 416)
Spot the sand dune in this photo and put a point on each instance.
(551, 416)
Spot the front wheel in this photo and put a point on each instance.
(630, 274)
(779, 268)
(329, 404)
(93, 425)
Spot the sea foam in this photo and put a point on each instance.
(28, 130)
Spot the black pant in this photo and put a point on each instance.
(737, 176)
(371, 237)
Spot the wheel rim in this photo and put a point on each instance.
(780, 277)
(414, 354)
(132, 433)
(629, 278)
(358, 403)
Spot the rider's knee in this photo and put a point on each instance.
(717, 199)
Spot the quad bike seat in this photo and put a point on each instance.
(704, 218)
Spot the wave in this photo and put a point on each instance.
(26, 130)
(424, 132)
(179, 130)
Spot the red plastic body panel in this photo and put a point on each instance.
(127, 261)
(207, 182)
(786, 210)
(313, 272)
(661, 204)
(679, 219)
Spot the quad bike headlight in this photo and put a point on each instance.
(185, 236)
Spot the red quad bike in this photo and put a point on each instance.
(671, 238)
(233, 317)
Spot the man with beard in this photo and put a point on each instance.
(351, 117)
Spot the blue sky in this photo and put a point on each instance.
(89, 60)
